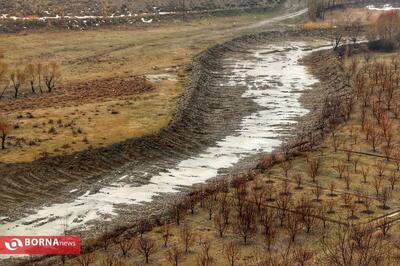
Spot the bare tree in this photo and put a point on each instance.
(286, 167)
(51, 75)
(336, 38)
(259, 197)
(283, 203)
(174, 256)
(299, 181)
(365, 173)
(384, 197)
(166, 233)
(232, 252)
(393, 179)
(385, 225)
(205, 258)
(246, 225)
(367, 203)
(4, 132)
(146, 247)
(308, 213)
(303, 255)
(332, 187)
(314, 165)
(210, 206)
(143, 226)
(269, 226)
(347, 178)
(340, 168)
(354, 30)
(317, 191)
(126, 245)
(3, 77)
(17, 78)
(396, 155)
(187, 237)
(375, 138)
(293, 225)
(378, 184)
(178, 212)
(220, 223)
(39, 75)
(30, 73)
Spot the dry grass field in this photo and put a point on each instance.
(158, 52)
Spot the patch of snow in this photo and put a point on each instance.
(147, 21)
(123, 177)
(386, 7)
(163, 13)
(160, 77)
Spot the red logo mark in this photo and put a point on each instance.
(40, 245)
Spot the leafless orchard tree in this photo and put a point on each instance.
(146, 247)
(204, 258)
(174, 255)
(232, 252)
(187, 237)
(17, 78)
(126, 246)
(5, 130)
(51, 75)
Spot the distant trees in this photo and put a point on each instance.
(4, 131)
(388, 25)
(34, 76)
(316, 9)
(386, 35)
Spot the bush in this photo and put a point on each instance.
(382, 45)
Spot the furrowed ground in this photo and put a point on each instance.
(94, 64)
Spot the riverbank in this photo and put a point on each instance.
(309, 128)
(191, 125)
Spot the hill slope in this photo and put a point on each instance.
(101, 7)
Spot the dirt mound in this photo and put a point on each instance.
(87, 92)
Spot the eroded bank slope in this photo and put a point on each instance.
(206, 113)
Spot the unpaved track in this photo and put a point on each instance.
(268, 22)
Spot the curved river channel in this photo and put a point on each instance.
(273, 78)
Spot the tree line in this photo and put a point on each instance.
(36, 78)
(242, 206)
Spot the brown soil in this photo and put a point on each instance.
(87, 92)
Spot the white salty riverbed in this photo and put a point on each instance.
(273, 80)
(386, 7)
